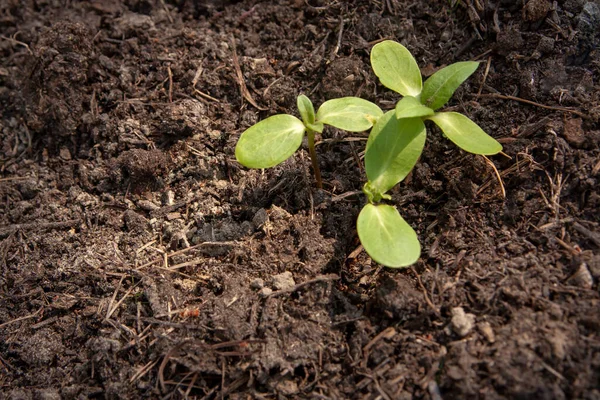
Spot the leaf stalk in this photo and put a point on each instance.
(310, 134)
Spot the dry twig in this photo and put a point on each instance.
(320, 278)
(240, 77)
(37, 226)
(21, 318)
(533, 103)
(491, 164)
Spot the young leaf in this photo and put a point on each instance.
(270, 142)
(410, 107)
(351, 114)
(465, 133)
(386, 236)
(307, 111)
(396, 68)
(317, 127)
(373, 194)
(440, 86)
(393, 149)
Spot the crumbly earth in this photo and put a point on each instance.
(139, 260)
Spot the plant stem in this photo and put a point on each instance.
(313, 157)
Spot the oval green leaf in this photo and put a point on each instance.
(351, 114)
(466, 134)
(270, 142)
(410, 107)
(396, 68)
(440, 86)
(386, 236)
(307, 110)
(393, 148)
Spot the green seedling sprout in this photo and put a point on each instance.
(397, 140)
(393, 148)
(275, 139)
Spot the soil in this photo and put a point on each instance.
(139, 260)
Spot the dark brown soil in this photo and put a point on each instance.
(139, 260)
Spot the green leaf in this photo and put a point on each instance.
(270, 142)
(393, 149)
(317, 127)
(440, 86)
(396, 68)
(410, 107)
(466, 134)
(351, 114)
(307, 111)
(386, 236)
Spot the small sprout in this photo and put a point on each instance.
(397, 141)
(307, 112)
(393, 148)
(275, 139)
(373, 194)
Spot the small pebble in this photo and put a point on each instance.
(461, 322)
(287, 387)
(536, 10)
(486, 330)
(284, 281)
(65, 154)
(588, 18)
(257, 284)
(582, 277)
(168, 198)
(173, 215)
(265, 292)
(260, 218)
(546, 44)
(147, 205)
(593, 264)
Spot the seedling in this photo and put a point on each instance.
(397, 140)
(275, 139)
(394, 146)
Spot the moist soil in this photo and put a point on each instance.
(138, 259)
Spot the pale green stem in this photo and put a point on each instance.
(313, 157)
